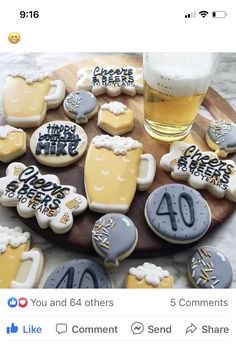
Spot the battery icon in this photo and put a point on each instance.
(219, 14)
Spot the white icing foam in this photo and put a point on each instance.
(119, 145)
(13, 237)
(6, 130)
(115, 108)
(151, 273)
(179, 74)
(31, 76)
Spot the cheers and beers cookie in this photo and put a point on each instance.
(209, 268)
(42, 196)
(221, 137)
(115, 118)
(80, 106)
(79, 274)
(148, 276)
(201, 169)
(58, 143)
(112, 80)
(177, 213)
(20, 266)
(112, 173)
(12, 143)
(28, 95)
(114, 237)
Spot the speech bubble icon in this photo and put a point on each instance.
(137, 328)
(61, 328)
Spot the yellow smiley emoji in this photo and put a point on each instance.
(14, 37)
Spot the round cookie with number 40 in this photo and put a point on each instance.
(177, 213)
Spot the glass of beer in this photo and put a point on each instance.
(174, 87)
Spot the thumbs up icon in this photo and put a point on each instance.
(12, 329)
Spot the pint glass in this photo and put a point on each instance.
(174, 87)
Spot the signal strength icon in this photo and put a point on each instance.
(190, 15)
(203, 13)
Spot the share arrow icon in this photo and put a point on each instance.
(191, 329)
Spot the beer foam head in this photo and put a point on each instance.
(116, 108)
(31, 76)
(151, 273)
(119, 145)
(13, 237)
(179, 74)
(6, 130)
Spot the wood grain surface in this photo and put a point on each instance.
(79, 237)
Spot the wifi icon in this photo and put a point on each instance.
(203, 13)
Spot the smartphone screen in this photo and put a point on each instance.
(117, 172)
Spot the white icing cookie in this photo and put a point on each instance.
(148, 275)
(201, 169)
(112, 80)
(115, 118)
(28, 95)
(41, 196)
(12, 143)
(19, 266)
(58, 143)
(114, 168)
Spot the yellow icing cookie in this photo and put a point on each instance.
(27, 96)
(149, 276)
(12, 143)
(19, 267)
(115, 118)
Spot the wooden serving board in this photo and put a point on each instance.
(79, 237)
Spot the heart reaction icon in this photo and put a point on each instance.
(22, 302)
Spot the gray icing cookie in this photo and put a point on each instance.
(79, 274)
(114, 237)
(80, 106)
(177, 213)
(209, 268)
(221, 137)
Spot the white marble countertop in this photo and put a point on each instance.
(224, 238)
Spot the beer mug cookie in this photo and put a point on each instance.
(112, 80)
(115, 118)
(201, 169)
(80, 106)
(148, 276)
(112, 173)
(114, 237)
(28, 95)
(79, 274)
(12, 143)
(58, 143)
(42, 196)
(20, 266)
(221, 137)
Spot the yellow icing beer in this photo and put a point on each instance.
(174, 87)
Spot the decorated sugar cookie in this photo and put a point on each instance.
(209, 268)
(12, 143)
(112, 170)
(148, 276)
(58, 143)
(20, 266)
(221, 137)
(112, 80)
(201, 169)
(80, 106)
(28, 95)
(114, 237)
(42, 196)
(115, 118)
(177, 213)
(79, 274)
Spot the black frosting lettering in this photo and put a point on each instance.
(189, 151)
(189, 201)
(170, 211)
(69, 277)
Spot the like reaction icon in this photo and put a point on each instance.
(13, 302)
(12, 329)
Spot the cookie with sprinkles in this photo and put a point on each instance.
(208, 268)
(177, 213)
(221, 137)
